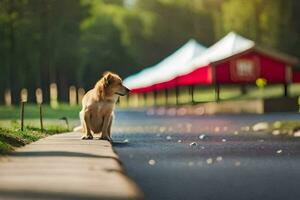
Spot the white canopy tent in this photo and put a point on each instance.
(228, 46)
(172, 64)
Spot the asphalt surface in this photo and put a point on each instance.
(166, 158)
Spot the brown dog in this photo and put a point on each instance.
(98, 105)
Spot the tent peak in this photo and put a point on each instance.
(192, 40)
(236, 41)
(167, 67)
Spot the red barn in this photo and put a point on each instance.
(232, 60)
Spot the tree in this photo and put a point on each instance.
(174, 23)
(101, 47)
(71, 42)
(255, 19)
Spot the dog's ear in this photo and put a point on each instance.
(108, 78)
(106, 73)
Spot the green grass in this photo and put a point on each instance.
(283, 129)
(233, 92)
(32, 111)
(286, 127)
(11, 136)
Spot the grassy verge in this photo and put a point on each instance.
(11, 136)
(286, 129)
(32, 111)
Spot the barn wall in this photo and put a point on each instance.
(272, 70)
(296, 76)
(268, 68)
(223, 73)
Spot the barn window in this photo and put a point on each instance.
(245, 68)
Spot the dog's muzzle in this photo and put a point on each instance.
(122, 94)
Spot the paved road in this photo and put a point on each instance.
(231, 162)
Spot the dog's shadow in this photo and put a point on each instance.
(117, 143)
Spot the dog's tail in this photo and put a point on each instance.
(78, 129)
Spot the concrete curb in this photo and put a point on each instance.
(65, 167)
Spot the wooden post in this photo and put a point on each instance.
(140, 100)
(285, 92)
(41, 117)
(243, 89)
(155, 97)
(191, 91)
(288, 79)
(24, 94)
(7, 97)
(177, 95)
(166, 96)
(127, 100)
(53, 95)
(145, 99)
(80, 95)
(22, 115)
(217, 92)
(72, 96)
(39, 101)
(214, 80)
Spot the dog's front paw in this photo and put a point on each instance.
(87, 137)
(106, 138)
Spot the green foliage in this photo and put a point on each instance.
(32, 112)
(72, 42)
(173, 23)
(102, 48)
(11, 137)
(257, 19)
(5, 148)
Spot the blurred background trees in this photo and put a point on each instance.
(72, 42)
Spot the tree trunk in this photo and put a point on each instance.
(12, 51)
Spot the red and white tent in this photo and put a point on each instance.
(165, 70)
(235, 59)
(232, 60)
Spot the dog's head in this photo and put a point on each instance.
(113, 84)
